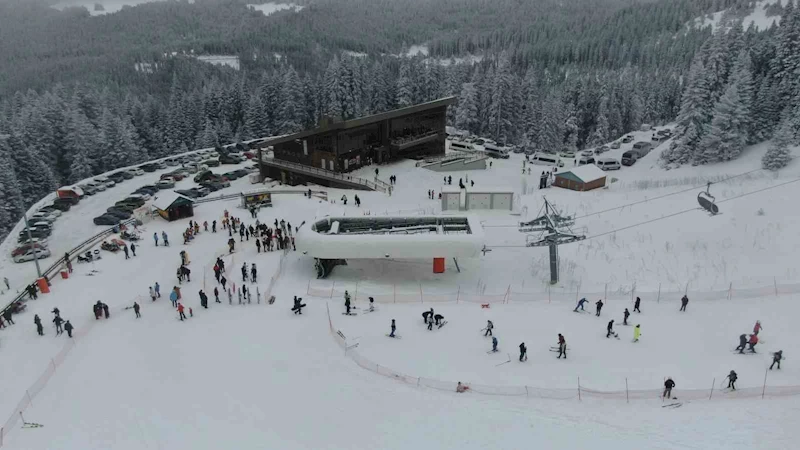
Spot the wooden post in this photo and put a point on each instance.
(633, 292)
(713, 382)
(308, 288)
(605, 295)
(332, 285)
(627, 399)
(730, 291)
(355, 295)
(549, 298)
(505, 297)
(764, 389)
(579, 388)
(458, 294)
(394, 293)
(420, 293)
(659, 293)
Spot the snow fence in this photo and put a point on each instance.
(580, 392)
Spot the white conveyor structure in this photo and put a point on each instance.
(333, 240)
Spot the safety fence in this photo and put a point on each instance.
(417, 293)
(16, 417)
(579, 392)
(230, 263)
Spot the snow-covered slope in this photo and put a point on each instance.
(759, 17)
(257, 376)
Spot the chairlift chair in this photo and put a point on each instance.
(707, 201)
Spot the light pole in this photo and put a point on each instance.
(33, 245)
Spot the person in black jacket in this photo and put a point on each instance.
(38, 322)
(216, 294)
(625, 318)
(732, 377)
(636, 305)
(68, 327)
(742, 343)
(668, 385)
(523, 352)
(8, 316)
(136, 310)
(203, 299)
(610, 328)
(58, 321)
(776, 359)
(599, 306)
(684, 302)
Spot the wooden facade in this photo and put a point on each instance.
(343, 146)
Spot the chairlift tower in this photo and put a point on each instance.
(554, 230)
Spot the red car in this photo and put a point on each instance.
(22, 249)
(249, 155)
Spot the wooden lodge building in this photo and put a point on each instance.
(341, 146)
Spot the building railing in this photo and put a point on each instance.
(376, 185)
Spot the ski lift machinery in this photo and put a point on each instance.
(707, 201)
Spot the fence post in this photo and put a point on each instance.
(458, 294)
(308, 288)
(775, 281)
(549, 297)
(505, 297)
(713, 382)
(526, 391)
(627, 400)
(686, 291)
(659, 293)
(730, 291)
(332, 285)
(355, 296)
(577, 292)
(394, 293)
(30, 401)
(579, 388)
(633, 292)
(764, 389)
(420, 293)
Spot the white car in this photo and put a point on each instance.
(105, 182)
(31, 254)
(587, 153)
(136, 171)
(608, 164)
(142, 196)
(567, 154)
(52, 211)
(43, 217)
(96, 186)
(166, 183)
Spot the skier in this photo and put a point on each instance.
(523, 352)
(742, 343)
(165, 238)
(581, 302)
(297, 308)
(776, 359)
(180, 311)
(425, 316)
(56, 312)
(203, 299)
(636, 305)
(5, 280)
(625, 318)
(258, 245)
(98, 310)
(155, 238)
(216, 295)
(636, 333)
(753, 341)
(214, 226)
(562, 346)
(599, 306)
(253, 272)
(205, 225)
(152, 294)
(668, 385)
(610, 329)
(461, 388)
(494, 344)
(244, 272)
(133, 248)
(58, 321)
(394, 328)
(136, 310)
(38, 322)
(173, 297)
(105, 310)
(158, 290)
(684, 302)
(439, 319)
(68, 326)
(347, 302)
(231, 245)
(489, 327)
(125, 249)
(8, 316)
(371, 304)
(732, 380)
(757, 327)
(223, 280)
(430, 323)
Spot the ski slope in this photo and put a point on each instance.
(256, 376)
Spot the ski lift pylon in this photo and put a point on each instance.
(707, 201)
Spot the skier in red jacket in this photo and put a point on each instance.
(757, 327)
(180, 311)
(753, 341)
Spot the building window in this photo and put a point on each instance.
(305, 147)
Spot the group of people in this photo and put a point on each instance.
(356, 199)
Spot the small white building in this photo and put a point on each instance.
(477, 197)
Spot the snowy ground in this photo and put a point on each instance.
(250, 377)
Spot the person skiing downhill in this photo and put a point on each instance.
(394, 328)
(180, 312)
(757, 327)
(753, 341)
(38, 322)
(599, 307)
(684, 302)
(610, 329)
(625, 317)
(523, 352)
(776, 359)
(562, 347)
(136, 310)
(742, 343)
(68, 326)
(489, 327)
(668, 385)
(637, 332)
(580, 305)
(347, 302)
(636, 305)
(494, 344)
(732, 380)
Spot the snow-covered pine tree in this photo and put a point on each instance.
(601, 133)
(255, 118)
(35, 177)
(742, 77)
(81, 136)
(778, 155)
(334, 91)
(12, 205)
(291, 103)
(405, 85)
(693, 117)
(208, 138)
(727, 134)
(503, 105)
(786, 62)
(467, 109)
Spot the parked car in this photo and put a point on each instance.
(201, 191)
(188, 193)
(50, 210)
(192, 167)
(31, 254)
(95, 186)
(166, 183)
(117, 177)
(62, 205)
(44, 216)
(212, 186)
(105, 181)
(202, 176)
(151, 187)
(629, 158)
(602, 149)
(241, 172)
(21, 249)
(133, 200)
(68, 200)
(587, 153)
(106, 219)
(615, 145)
(608, 164)
(34, 233)
(160, 165)
(176, 176)
(584, 160)
(544, 159)
(144, 192)
(567, 154)
(249, 155)
(642, 148)
(119, 213)
(149, 167)
(232, 175)
(144, 196)
(87, 190)
(211, 162)
(229, 159)
(171, 161)
(136, 171)
(627, 139)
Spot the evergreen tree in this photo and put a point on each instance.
(778, 155)
(467, 109)
(34, 176)
(255, 118)
(291, 103)
(334, 90)
(693, 117)
(727, 134)
(12, 205)
(208, 138)
(405, 85)
(601, 133)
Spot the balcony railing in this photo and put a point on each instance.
(376, 185)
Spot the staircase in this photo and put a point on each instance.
(339, 178)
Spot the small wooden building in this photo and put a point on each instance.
(173, 206)
(583, 178)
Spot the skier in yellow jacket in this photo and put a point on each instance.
(636, 333)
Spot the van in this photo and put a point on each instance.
(629, 158)
(461, 146)
(496, 151)
(642, 148)
(608, 164)
(543, 159)
(584, 160)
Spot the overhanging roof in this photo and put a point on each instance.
(586, 173)
(164, 200)
(361, 121)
